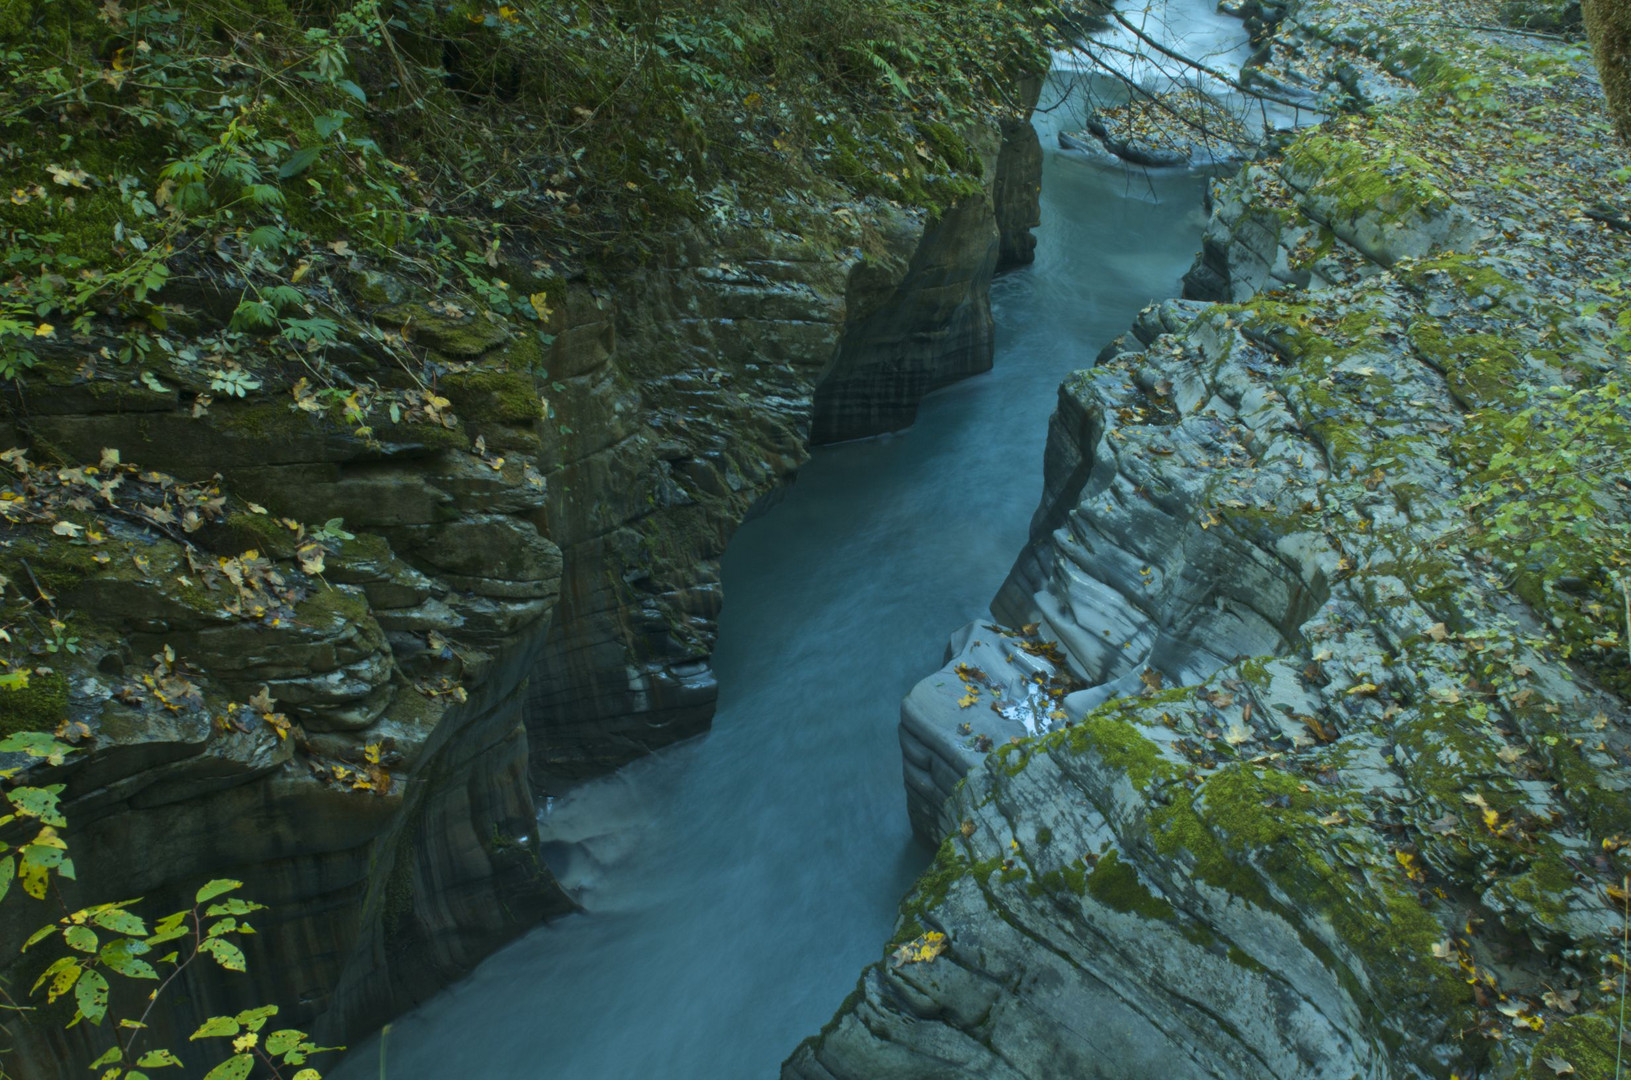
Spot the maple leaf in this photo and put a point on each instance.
(921, 950)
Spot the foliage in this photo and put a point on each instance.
(268, 154)
(104, 945)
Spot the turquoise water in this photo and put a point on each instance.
(736, 885)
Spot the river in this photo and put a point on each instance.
(735, 886)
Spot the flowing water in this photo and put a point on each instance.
(736, 885)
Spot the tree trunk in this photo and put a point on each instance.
(1608, 24)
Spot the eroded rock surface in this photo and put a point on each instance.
(1336, 781)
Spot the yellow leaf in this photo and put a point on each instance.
(45, 329)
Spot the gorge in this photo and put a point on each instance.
(479, 600)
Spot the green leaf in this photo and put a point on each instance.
(353, 89)
(215, 1027)
(92, 996)
(35, 744)
(113, 1054)
(236, 906)
(38, 936)
(169, 928)
(299, 162)
(82, 938)
(266, 238)
(255, 1019)
(120, 956)
(218, 887)
(226, 954)
(120, 921)
(41, 803)
(307, 1074)
(281, 1042)
(8, 871)
(156, 1059)
(63, 973)
(329, 123)
(233, 1068)
(263, 195)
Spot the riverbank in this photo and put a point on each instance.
(1343, 542)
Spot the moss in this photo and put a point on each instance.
(1471, 274)
(40, 706)
(269, 421)
(1360, 180)
(261, 532)
(1481, 369)
(329, 602)
(1588, 1043)
(1116, 884)
(483, 397)
(1608, 25)
(1118, 744)
(1044, 836)
(1241, 958)
(1249, 825)
(934, 884)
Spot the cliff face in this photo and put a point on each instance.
(700, 391)
(520, 596)
(1308, 723)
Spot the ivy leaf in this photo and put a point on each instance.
(92, 996)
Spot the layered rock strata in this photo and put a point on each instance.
(333, 658)
(1328, 775)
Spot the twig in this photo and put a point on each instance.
(1625, 946)
(1203, 68)
(1485, 28)
(42, 593)
(1613, 221)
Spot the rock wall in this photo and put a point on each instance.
(1288, 762)
(697, 392)
(516, 586)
